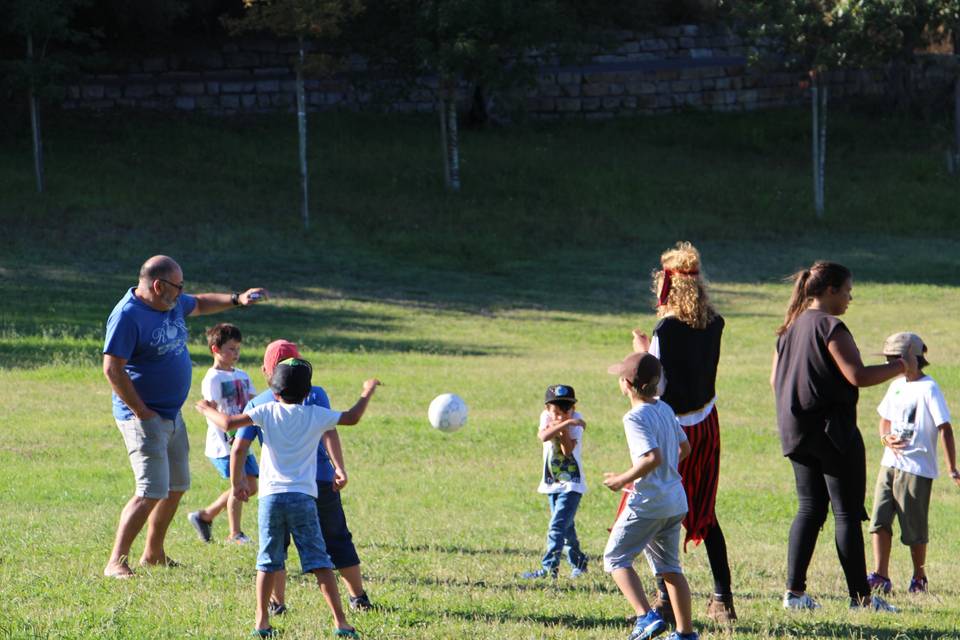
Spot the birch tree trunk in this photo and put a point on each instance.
(442, 110)
(35, 122)
(302, 131)
(818, 95)
(453, 141)
(956, 124)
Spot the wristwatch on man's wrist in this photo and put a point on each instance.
(235, 299)
(955, 474)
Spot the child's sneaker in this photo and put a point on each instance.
(241, 538)
(648, 626)
(663, 607)
(577, 572)
(360, 602)
(799, 603)
(878, 582)
(676, 635)
(539, 573)
(875, 603)
(918, 585)
(720, 609)
(204, 529)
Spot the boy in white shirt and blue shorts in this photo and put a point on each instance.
(912, 415)
(288, 488)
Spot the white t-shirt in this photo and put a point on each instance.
(659, 494)
(562, 474)
(915, 410)
(231, 390)
(291, 433)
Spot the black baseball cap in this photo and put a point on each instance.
(560, 394)
(292, 379)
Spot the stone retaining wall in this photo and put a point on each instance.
(675, 68)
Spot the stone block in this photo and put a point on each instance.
(268, 86)
(568, 77)
(686, 42)
(568, 90)
(641, 88)
(248, 100)
(166, 89)
(655, 44)
(213, 88)
(616, 89)
(185, 103)
(263, 100)
(230, 101)
(589, 104)
(99, 105)
(594, 90)
(271, 71)
(568, 104)
(315, 98)
(628, 48)
(191, 88)
(232, 87)
(612, 102)
(208, 103)
(628, 102)
(113, 91)
(274, 59)
(289, 86)
(281, 100)
(701, 53)
(138, 91)
(240, 59)
(691, 30)
(92, 91)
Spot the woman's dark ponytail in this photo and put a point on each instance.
(812, 283)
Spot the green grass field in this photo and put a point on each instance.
(534, 275)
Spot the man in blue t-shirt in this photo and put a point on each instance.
(146, 361)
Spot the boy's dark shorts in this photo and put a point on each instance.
(333, 524)
(905, 496)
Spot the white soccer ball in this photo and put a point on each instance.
(447, 412)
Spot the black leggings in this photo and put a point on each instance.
(825, 477)
(716, 546)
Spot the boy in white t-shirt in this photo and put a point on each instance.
(230, 388)
(650, 523)
(288, 487)
(912, 414)
(561, 432)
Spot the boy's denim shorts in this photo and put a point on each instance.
(294, 515)
(250, 466)
(657, 538)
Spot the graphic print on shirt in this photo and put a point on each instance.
(905, 427)
(171, 336)
(560, 468)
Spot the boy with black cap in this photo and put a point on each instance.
(291, 433)
(912, 414)
(651, 520)
(561, 432)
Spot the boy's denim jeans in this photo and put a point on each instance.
(562, 533)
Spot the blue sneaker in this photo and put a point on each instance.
(648, 626)
(539, 574)
(676, 635)
(577, 572)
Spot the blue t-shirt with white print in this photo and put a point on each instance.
(154, 344)
(317, 397)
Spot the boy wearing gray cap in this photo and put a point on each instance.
(912, 414)
(650, 523)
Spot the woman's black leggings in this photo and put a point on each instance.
(825, 477)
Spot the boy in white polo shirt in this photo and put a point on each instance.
(288, 488)
(650, 523)
(912, 414)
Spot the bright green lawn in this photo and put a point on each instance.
(543, 290)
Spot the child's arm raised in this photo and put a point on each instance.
(221, 420)
(644, 465)
(354, 413)
(950, 451)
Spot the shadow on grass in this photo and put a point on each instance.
(511, 586)
(454, 549)
(867, 630)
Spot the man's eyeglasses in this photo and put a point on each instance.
(172, 284)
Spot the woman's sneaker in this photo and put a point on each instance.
(918, 585)
(875, 603)
(800, 603)
(647, 626)
(880, 583)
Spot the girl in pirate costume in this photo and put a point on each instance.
(687, 342)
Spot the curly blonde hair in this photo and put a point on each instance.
(687, 299)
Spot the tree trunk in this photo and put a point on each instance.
(302, 130)
(818, 95)
(453, 141)
(442, 110)
(956, 123)
(35, 122)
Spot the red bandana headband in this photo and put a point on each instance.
(667, 281)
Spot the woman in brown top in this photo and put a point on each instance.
(817, 371)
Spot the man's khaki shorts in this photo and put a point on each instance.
(159, 454)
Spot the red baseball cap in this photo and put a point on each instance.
(276, 351)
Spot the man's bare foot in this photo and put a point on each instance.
(164, 561)
(118, 569)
